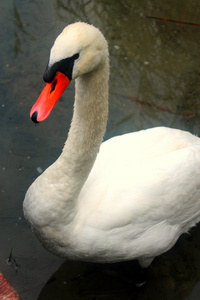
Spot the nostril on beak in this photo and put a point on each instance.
(34, 117)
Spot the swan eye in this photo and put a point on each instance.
(76, 56)
(64, 66)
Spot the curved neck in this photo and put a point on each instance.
(87, 129)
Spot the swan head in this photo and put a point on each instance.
(78, 50)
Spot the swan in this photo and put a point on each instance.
(130, 197)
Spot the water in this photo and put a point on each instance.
(154, 81)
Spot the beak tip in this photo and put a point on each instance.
(34, 117)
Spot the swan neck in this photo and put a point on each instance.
(88, 126)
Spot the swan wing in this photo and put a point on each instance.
(142, 190)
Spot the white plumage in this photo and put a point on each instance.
(130, 197)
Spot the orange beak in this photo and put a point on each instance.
(48, 98)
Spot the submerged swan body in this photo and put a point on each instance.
(130, 197)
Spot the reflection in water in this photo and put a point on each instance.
(172, 276)
(153, 61)
(18, 47)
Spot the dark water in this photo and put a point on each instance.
(154, 81)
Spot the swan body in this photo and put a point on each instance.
(130, 197)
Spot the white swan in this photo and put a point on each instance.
(130, 197)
